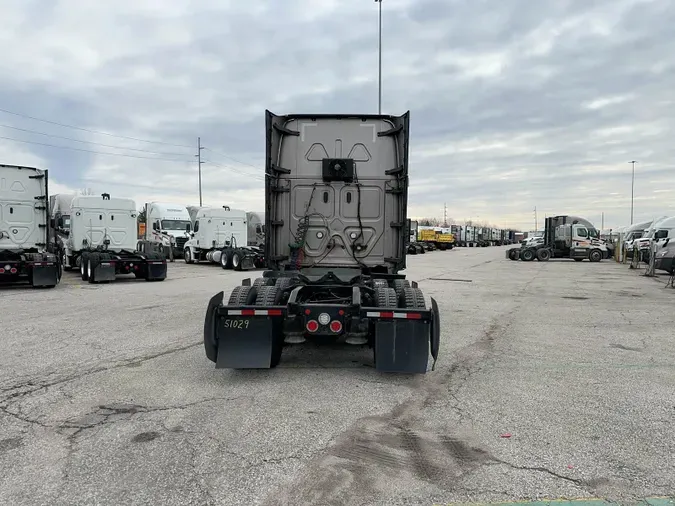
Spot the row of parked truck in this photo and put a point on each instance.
(42, 235)
(422, 238)
(642, 240)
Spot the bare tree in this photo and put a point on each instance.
(86, 191)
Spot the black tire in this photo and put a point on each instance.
(399, 286)
(92, 262)
(282, 283)
(514, 254)
(595, 255)
(527, 255)
(380, 283)
(228, 258)
(258, 282)
(385, 297)
(84, 258)
(242, 296)
(268, 296)
(187, 256)
(412, 298)
(543, 255)
(236, 260)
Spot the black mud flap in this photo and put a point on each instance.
(244, 343)
(247, 263)
(402, 346)
(156, 271)
(435, 332)
(45, 275)
(104, 271)
(210, 344)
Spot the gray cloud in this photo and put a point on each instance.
(514, 104)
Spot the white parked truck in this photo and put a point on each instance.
(660, 231)
(564, 237)
(219, 235)
(101, 240)
(166, 225)
(26, 252)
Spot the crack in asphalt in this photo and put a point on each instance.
(131, 362)
(576, 481)
(361, 456)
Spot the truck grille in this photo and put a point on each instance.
(180, 242)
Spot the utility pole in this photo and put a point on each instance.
(535, 218)
(445, 215)
(602, 222)
(379, 72)
(632, 188)
(199, 165)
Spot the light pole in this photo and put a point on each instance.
(632, 188)
(379, 67)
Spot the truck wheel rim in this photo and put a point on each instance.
(223, 259)
(89, 268)
(235, 260)
(81, 266)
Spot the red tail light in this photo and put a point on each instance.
(336, 326)
(312, 326)
(2, 271)
(13, 270)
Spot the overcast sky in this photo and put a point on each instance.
(514, 103)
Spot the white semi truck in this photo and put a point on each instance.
(25, 249)
(219, 235)
(97, 234)
(166, 225)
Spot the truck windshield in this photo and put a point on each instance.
(592, 232)
(66, 221)
(174, 224)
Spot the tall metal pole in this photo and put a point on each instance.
(632, 190)
(379, 71)
(199, 165)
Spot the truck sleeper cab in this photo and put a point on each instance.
(102, 241)
(219, 235)
(337, 235)
(26, 251)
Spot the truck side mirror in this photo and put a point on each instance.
(51, 223)
(187, 228)
(154, 226)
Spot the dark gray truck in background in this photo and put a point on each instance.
(336, 194)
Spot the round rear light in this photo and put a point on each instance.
(312, 326)
(324, 318)
(307, 312)
(336, 326)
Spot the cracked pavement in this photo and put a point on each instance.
(554, 380)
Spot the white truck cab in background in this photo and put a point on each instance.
(220, 235)
(166, 224)
(660, 232)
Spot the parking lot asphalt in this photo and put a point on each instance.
(555, 380)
